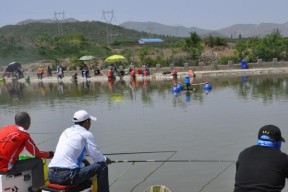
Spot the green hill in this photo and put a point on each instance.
(30, 42)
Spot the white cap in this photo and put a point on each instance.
(82, 116)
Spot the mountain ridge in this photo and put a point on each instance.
(245, 30)
(233, 31)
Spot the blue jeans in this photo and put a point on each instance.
(77, 176)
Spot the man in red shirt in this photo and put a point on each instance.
(13, 139)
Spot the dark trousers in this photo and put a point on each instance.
(33, 164)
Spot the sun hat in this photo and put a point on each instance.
(82, 116)
(273, 133)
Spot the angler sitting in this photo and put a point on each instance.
(65, 167)
(262, 167)
(13, 139)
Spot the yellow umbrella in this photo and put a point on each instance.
(115, 58)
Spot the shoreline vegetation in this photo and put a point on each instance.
(27, 44)
(274, 68)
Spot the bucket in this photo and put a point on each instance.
(94, 185)
(244, 64)
(187, 80)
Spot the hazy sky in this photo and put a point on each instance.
(205, 14)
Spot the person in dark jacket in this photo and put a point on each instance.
(262, 167)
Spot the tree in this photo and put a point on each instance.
(193, 46)
(143, 53)
(272, 46)
(9, 46)
(269, 47)
(212, 41)
(61, 47)
(241, 47)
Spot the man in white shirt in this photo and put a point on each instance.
(73, 145)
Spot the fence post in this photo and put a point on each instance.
(230, 63)
(158, 66)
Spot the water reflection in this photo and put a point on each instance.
(60, 88)
(14, 89)
(188, 96)
(144, 115)
(267, 88)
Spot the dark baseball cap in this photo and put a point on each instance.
(273, 132)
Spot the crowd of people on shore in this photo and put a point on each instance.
(112, 72)
(59, 72)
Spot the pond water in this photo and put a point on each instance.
(144, 116)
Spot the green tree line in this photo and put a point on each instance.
(251, 49)
(34, 42)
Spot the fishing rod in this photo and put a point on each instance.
(45, 133)
(158, 167)
(151, 173)
(139, 152)
(175, 161)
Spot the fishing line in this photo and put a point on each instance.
(139, 152)
(216, 176)
(120, 175)
(128, 153)
(44, 141)
(152, 172)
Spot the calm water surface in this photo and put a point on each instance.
(145, 116)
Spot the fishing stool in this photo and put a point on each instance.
(83, 187)
(16, 182)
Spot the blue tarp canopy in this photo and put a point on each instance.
(150, 40)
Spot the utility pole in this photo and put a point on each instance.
(59, 17)
(108, 17)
